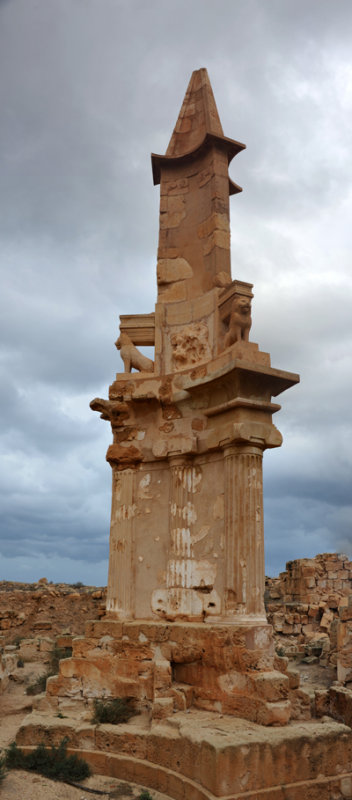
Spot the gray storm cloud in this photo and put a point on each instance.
(87, 91)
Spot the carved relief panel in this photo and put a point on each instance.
(190, 345)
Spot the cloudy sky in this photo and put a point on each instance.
(88, 88)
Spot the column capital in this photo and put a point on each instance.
(180, 459)
(258, 434)
(242, 448)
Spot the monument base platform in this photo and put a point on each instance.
(168, 667)
(199, 755)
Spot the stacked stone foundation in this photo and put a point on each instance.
(172, 667)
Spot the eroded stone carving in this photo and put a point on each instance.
(222, 279)
(131, 356)
(240, 321)
(116, 412)
(190, 345)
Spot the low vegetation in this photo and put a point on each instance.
(113, 711)
(54, 763)
(38, 686)
(58, 653)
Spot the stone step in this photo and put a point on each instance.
(202, 756)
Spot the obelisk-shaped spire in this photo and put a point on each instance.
(194, 236)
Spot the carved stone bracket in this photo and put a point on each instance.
(112, 410)
(123, 457)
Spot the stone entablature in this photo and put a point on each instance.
(216, 421)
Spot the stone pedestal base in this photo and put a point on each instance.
(170, 667)
(204, 756)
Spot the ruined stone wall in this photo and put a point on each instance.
(344, 644)
(326, 577)
(304, 605)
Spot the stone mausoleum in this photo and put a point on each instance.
(185, 632)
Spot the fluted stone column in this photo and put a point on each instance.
(183, 483)
(244, 532)
(120, 594)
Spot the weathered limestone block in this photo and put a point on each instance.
(173, 269)
(175, 212)
(198, 757)
(340, 703)
(9, 661)
(326, 620)
(272, 686)
(302, 704)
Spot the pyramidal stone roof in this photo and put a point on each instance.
(198, 116)
(198, 128)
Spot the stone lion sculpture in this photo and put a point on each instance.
(240, 321)
(131, 356)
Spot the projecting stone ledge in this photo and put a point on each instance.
(243, 359)
(199, 755)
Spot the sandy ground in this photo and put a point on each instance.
(18, 785)
(25, 786)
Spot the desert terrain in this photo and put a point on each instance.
(33, 619)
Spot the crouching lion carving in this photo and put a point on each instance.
(240, 321)
(131, 356)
